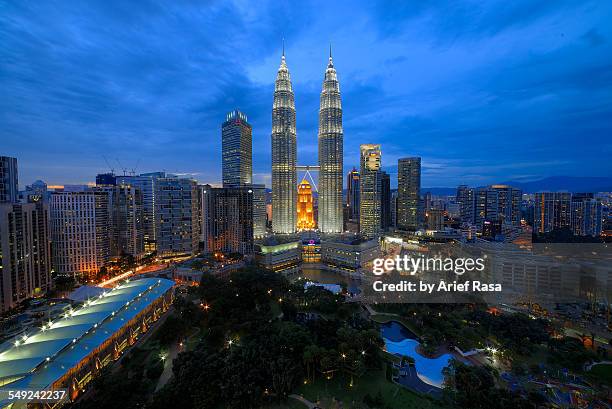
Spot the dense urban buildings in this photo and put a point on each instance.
(586, 215)
(369, 194)
(284, 154)
(408, 193)
(9, 192)
(509, 200)
(305, 209)
(236, 150)
(80, 231)
(331, 140)
(552, 211)
(177, 216)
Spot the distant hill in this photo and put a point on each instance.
(554, 184)
(565, 183)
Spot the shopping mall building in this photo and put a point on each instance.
(69, 352)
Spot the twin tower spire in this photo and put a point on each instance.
(284, 153)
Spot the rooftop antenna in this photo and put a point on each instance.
(283, 46)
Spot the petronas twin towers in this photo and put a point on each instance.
(284, 154)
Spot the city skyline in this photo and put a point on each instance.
(534, 83)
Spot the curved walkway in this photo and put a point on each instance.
(305, 401)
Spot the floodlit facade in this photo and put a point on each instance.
(69, 352)
(370, 190)
(284, 154)
(330, 153)
(305, 211)
(408, 193)
(236, 150)
(80, 231)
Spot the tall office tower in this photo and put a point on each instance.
(352, 194)
(305, 209)
(236, 150)
(370, 190)
(126, 220)
(486, 206)
(510, 200)
(176, 207)
(427, 201)
(227, 219)
(147, 183)
(25, 259)
(106, 179)
(330, 153)
(284, 154)
(465, 202)
(80, 231)
(408, 193)
(9, 192)
(385, 200)
(552, 211)
(586, 216)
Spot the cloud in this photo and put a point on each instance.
(483, 92)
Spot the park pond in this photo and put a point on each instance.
(401, 341)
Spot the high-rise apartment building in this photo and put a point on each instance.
(486, 206)
(147, 184)
(352, 194)
(284, 154)
(510, 200)
(9, 191)
(370, 190)
(227, 219)
(330, 153)
(25, 254)
(385, 200)
(408, 193)
(80, 231)
(552, 211)
(126, 220)
(236, 150)
(176, 207)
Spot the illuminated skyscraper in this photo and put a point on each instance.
(369, 202)
(330, 153)
(284, 154)
(408, 193)
(236, 150)
(305, 211)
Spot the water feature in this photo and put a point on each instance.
(401, 341)
(317, 274)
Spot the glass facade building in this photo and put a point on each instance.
(330, 140)
(284, 154)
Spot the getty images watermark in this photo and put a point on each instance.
(429, 267)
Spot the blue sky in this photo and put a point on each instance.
(484, 91)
